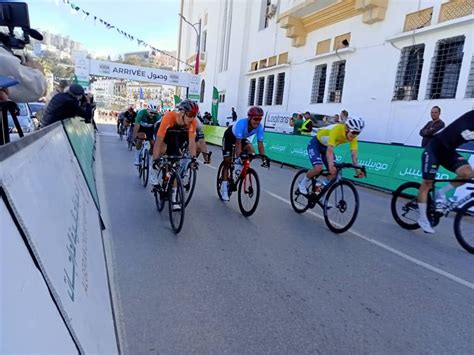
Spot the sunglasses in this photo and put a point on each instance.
(354, 133)
(190, 115)
(256, 119)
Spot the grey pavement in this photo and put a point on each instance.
(276, 282)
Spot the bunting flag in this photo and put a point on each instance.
(85, 14)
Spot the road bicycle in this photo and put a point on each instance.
(247, 183)
(170, 178)
(144, 162)
(130, 137)
(404, 207)
(121, 130)
(339, 198)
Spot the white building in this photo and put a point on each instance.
(388, 61)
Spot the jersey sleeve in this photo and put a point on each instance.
(139, 117)
(239, 129)
(192, 130)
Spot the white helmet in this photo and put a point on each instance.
(355, 124)
(153, 107)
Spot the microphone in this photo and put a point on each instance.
(33, 33)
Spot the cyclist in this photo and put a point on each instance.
(441, 150)
(174, 129)
(143, 129)
(237, 134)
(321, 148)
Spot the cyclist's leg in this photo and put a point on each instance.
(228, 142)
(316, 154)
(429, 166)
(247, 147)
(141, 136)
(455, 163)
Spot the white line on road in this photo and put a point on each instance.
(392, 250)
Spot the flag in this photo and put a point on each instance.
(196, 64)
(177, 99)
(215, 105)
(140, 93)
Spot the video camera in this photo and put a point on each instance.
(15, 14)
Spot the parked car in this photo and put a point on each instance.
(25, 118)
(37, 111)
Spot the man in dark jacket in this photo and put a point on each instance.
(432, 127)
(67, 105)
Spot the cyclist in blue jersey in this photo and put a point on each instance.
(237, 134)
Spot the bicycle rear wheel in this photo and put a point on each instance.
(189, 183)
(176, 205)
(341, 206)
(219, 181)
(145, 167)
(464, 226)
(121, 133)
(249, 192)
(140, 166)
(299, 202)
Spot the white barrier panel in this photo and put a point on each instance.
(30, 321)
(52, 201)
(278, 122)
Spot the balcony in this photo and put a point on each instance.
(305, 16)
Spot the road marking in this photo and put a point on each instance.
(390, 249)
(108, 134)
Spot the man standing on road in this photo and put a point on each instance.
(432, 127)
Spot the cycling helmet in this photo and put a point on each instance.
(355, 124)
(76, 89)
(152, 107)
(188, 106)
(255, 111)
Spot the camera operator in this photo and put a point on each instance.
(29, 73)
(69, 104)
(8, 106)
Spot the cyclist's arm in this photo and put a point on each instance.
(261, 149)
(330, 159)
(157, 147)
(192, 137)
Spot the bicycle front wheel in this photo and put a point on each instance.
(464, 226)
(299, 202)
(145, 167)
(160, 191)
(176, 202)
(189, 183)
(249, 192)
(121, 133)
(404, 205)
(341, 206)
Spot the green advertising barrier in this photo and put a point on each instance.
(388, 166)
(81, 137)
(214, 134)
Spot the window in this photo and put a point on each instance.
(319, 84)
(470, 81)
(445, 68)
(407, 81)
(261, 84)
(269, 93)
(252, 92)
(225, 42)
(221, 97)
(266, 16)
(280, 87)
(336, 81)
(203, 89)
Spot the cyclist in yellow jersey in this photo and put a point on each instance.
(321, 148)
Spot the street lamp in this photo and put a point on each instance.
(198, 41)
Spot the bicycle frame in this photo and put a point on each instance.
(454, 205)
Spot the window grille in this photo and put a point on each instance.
(266, 18)
(418, 19)
(336, 81)
(261, 84)
(252, 92)
(470, 81)
(455, 9)
(319, 84)
(445, 68)
(269, 93)
(407, 81)
(280, 88)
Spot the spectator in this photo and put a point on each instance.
(67, 105)
(296, 122)
(343, 116)
(307, 126)
(432, 127)
(62, 86)
(337, 119)
(207, 118)
(234, 115)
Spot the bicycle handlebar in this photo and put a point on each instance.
(251, 156)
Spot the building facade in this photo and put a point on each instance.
(388, 61)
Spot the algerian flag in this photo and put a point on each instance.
(177, 99)
(215, 105)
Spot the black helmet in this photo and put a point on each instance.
(76, 89)
(188, 106)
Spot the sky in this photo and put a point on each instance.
(153, 21)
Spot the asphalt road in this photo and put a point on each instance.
(276, 282)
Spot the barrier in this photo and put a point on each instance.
(388, 165)
(81, 137)
(44, 187)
